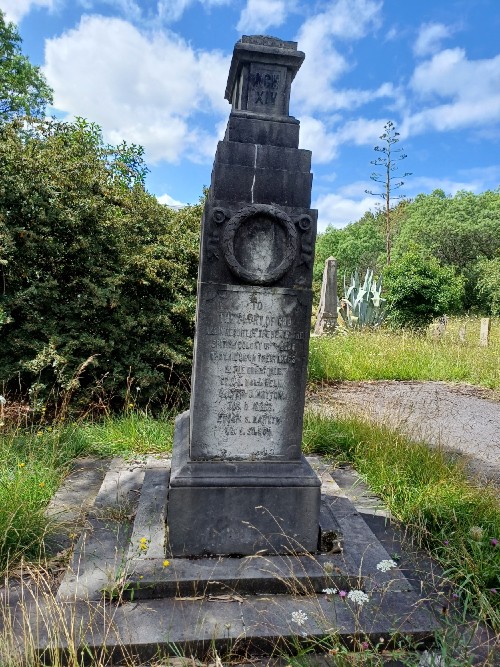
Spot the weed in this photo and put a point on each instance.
(383, 354)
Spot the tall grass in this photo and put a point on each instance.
(35, 460)
(457, 521)
(396, 355)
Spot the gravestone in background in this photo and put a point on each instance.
(239, 481)
(326, 321)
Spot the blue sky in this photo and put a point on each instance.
(153, 72)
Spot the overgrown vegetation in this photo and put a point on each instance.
(98, 279)
(459, 523)
(35, 460)
(394, 355)
(419, 289)
(461, 232)
(23, 88)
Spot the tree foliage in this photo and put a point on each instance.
(458, 231)
(359, 245)
(488, 283)
(418, 289)
(23, 88)
(91, 266)
(461, 232)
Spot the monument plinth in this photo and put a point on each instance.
(239, 482)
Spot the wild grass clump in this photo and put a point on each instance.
(35, 460)
(385, 354)
(447, 513)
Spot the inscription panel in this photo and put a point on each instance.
(249, 373)
(266, 89)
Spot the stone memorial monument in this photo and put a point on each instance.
(239, 482)
(326, 320)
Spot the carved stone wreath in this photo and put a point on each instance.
(274, 215)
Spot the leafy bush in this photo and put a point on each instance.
(97, 278)
(458, 231)
(356, 246)
(419, 289)
(488, 284)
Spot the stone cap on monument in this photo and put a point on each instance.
(261, 74)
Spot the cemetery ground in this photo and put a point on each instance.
(445, 520)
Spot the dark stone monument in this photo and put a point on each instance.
(239, 482)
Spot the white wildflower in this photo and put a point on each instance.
(299, 617)
(328, 568)
(329, 591)
(3, 400)
(386, 565)
(431, 659)
(359, 597)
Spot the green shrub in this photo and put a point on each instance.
(419, 289)
(488, 283)
(98, 279)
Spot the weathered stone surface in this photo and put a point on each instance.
(250, 372)
(149, 523)
(263, 156)
(261, 73)
(249, 129)
(239, 483)
(326, 321)
(240, 507)
(263, 185)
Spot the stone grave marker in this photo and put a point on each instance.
(484, 332)
(239, 481)
(326, 320)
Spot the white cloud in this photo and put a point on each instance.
(471, 86)
(338, 210)
(430, 37)
(15, 10)
(144, 88)
(361, 131)
(315, 137)
(448, 185)
(259, 15)
(172, 10)
(170, 201)
(343, 20)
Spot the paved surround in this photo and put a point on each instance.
(238, 605)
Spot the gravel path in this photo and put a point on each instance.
(459, 418)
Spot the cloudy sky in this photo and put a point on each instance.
(153, 72)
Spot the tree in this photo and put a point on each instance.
(359, 246)
(389, 159)
(418, 289)
(91, 267)
(460, 231)
(488, 285)
(23, 88)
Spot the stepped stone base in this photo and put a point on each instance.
(269, 506)
(119, 599)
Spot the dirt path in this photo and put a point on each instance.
(459, 418)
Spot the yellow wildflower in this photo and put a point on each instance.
(166, 563)
(21, 465)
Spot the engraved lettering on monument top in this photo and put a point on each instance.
(237, 452)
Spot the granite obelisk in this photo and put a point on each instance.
(239, 481)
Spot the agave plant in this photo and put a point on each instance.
(362, 305)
